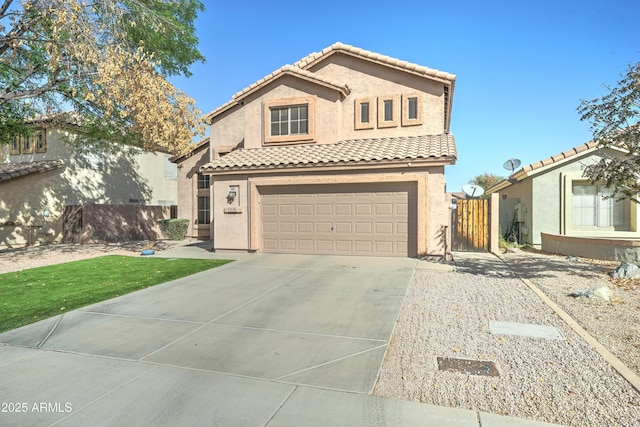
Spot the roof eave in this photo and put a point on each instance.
(341, 165)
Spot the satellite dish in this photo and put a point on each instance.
(473, 190)
(511, 164)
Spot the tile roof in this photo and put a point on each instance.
(558, 157)
(525, 171)
(313, 58)
(10, 171)
(362, 151)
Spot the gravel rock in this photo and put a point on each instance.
(446, 314)
(626, 271)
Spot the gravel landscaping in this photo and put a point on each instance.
(446, 314)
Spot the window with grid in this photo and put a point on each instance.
(203, 181)
(291, 120)
(593, 206)
(204, 216)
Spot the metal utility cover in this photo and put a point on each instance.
(469, 367)
(525, 330)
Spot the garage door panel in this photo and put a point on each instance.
(305, 245)
(323, 227)
(306, 210)
(343, 227)
(324, 210)
(363, 228)
(288, 227)
(364, 246)
(384, 246)
(325, 246)
(356, 219)
(287, 210)
(344, 246)
(287, 244)
(384, 208)
(343, 210)
(363, 209)
(384, 228)
(270, 227)
(305, 227)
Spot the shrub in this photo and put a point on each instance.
(174, 229)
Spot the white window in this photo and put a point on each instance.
(293, 120)
(593, 207)
(289, 120)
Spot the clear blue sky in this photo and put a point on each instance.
(522, 67)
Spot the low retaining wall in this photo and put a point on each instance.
(608, 249)
(113, 223)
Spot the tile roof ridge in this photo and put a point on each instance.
(367, 54)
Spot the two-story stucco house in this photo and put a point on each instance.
(342, 152)
(41, 175)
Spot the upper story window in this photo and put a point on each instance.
(203, 180)
(292, 120)
(365, 113)
(289, 120)
(411, 109)
(388, 111)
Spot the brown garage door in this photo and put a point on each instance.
(355, 219)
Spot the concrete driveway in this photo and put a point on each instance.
(229, 345)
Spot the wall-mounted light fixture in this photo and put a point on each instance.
(232, 193)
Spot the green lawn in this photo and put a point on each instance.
(30, 295)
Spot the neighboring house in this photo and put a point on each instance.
(342, 152)
(552, 197)
(194, 194)
(40, 176)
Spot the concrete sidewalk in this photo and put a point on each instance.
(267, 340)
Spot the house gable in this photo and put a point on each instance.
(346, 93)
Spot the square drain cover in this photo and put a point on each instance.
(525, 330)
(471, 367)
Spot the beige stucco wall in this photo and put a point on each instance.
(122, 179)
(334, 116)
(239, 229)
(367, 79)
